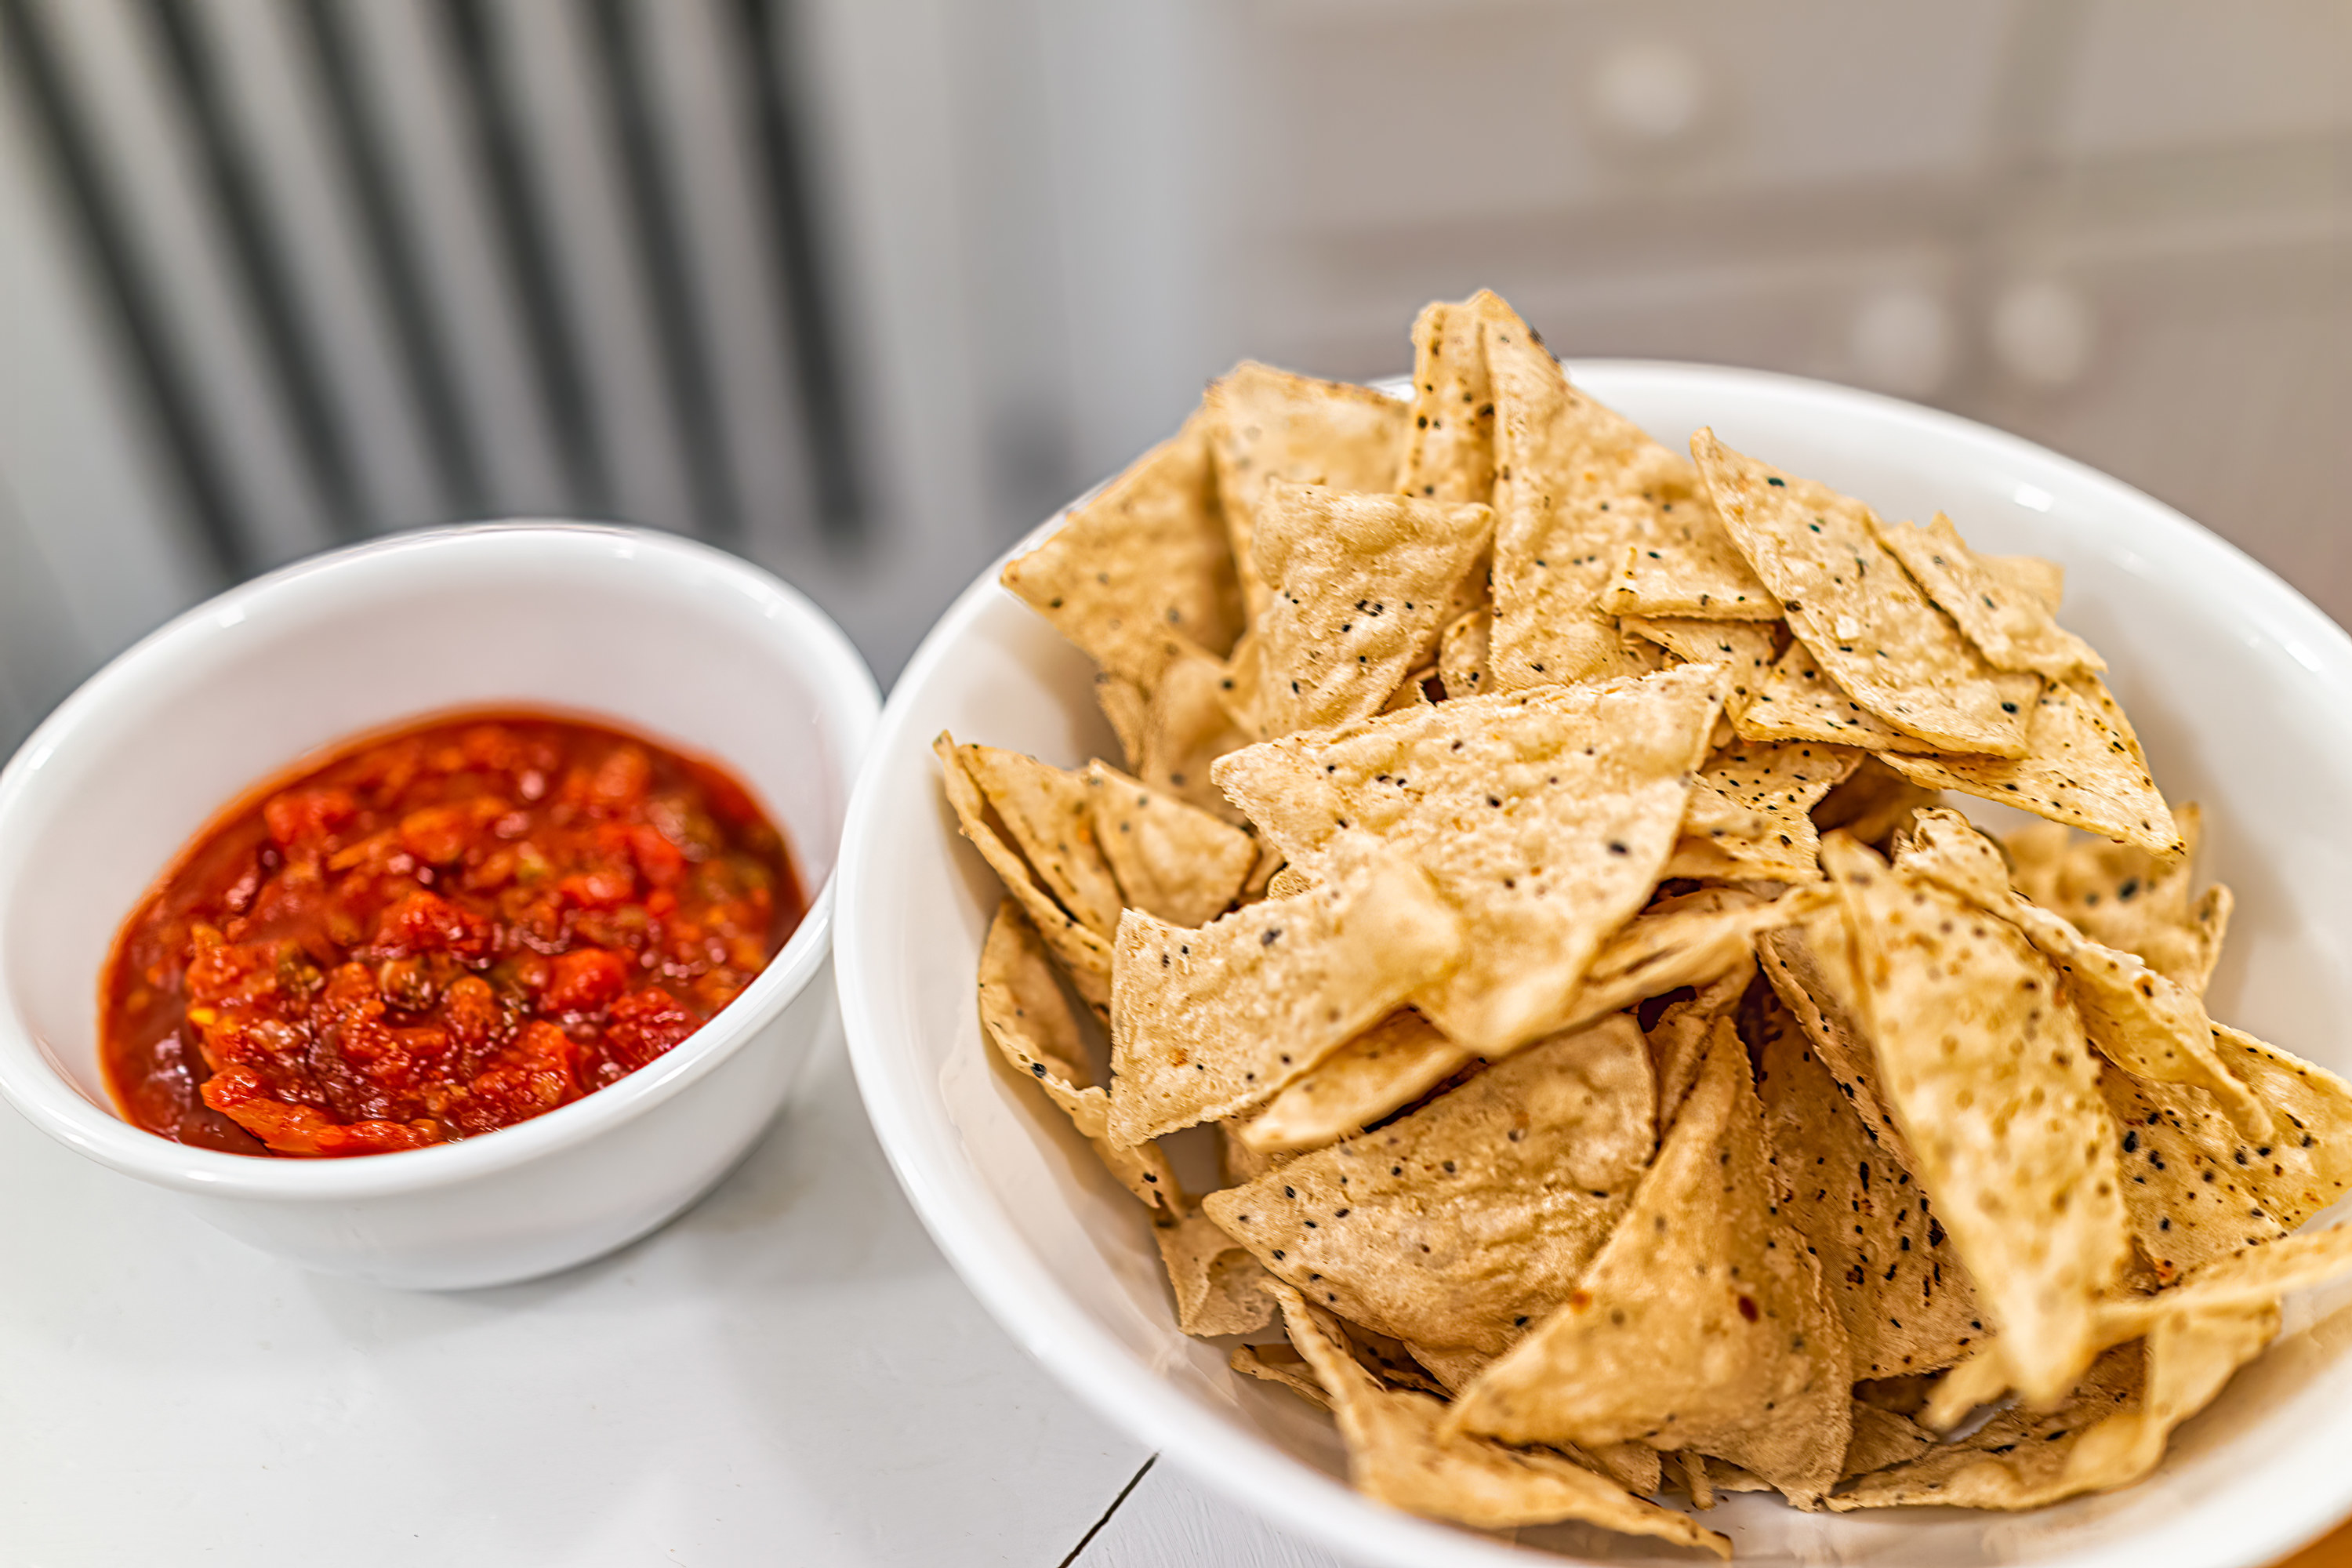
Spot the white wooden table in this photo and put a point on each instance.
(790, 1375)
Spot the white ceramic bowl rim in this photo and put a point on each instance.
(34, 1084)
(1019, 1290)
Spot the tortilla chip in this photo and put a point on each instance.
(1023, 1011)
(1125, 705)
(2041, 581)
(1219, 1287)
(1186, 729)
(2139, 1019)
(1206, 1023)
(1085, 956)
(1143, 570)
(1397, 1454)
(1882, 1440)
(1269, 423)
(1810, 968)
(2013, 630)
(1872, 803)
(1461, 1222)
(1580, 493)
(1687, 940)
(1985, 1064)
(1749, 648)
(1050, 816)
(1359, 585)
(1895, 1281)
(1695, 1481)
(1461, 667)
(1386, 1067)
(1543, 815)
(1283, 1366)
(1449, 454)
(1678, 1041)
(2122, 896)
(1752, 805)
(1289, 882)
(1700, 1325)
(2252, 1277)
(1796, 702)
(1172, 860)
(1236, 1159)
(2198, 1190)
(2083, 767)
(1872, 631)
(1412, 691)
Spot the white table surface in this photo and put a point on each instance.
(789, 1374)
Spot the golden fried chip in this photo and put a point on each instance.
(1398, 1455)
(1872, 802)
(1749, 648)
(1084, 955)
(1172, 860)
(2082, 767)
(1283, 1366)
(2014, 629)
(1239, 1162)
(2252, 1277)
(1882, 1440)
(2122, 897)
(1049, 814)
(1894, 1278)
(1688, 940)
(1449, 454)
(1810, 968)
(1209, 1021)
(1143, 570)
(1359, 594)
(1679, 1040)
(2139, 1019)
(1796, 702)
(1544, 816)
(2198, 1189)
(1984, 1062)
(1702, 1322)
(1461, 1222)
(1871, 630)
(2040, 580)
(1186, 729)
(1751, 805)
(1386, 1067)
(1126, 706)
(1462, 666)
(1023, 1010)
(1269, 423)
(1219, 1287)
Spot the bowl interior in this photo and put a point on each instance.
(2242, 693)
(667, 638)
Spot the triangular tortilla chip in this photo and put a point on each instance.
(1022, 1008)
(1143, 569)
(1269, 423)
(2013, 630)
(1872, 802)
(1172, 860)
(1984, 1062)
(1124, 705)
(1749, 648)
(1219, 1287)
(2043, 582)
(1544, 816)
(2121, 896)
(1810, 968)
(1796, 702)
(1186, 729)
(2139, 1019)
(1449, 454)
(1752, 804)
(1397, 1455)
(1700, 1325)
(1050, 814)
(1085, 956)
(1462, 665)
(1872, 631)
(1462, 1223)
(2197, 1188)
(1680, 1040)
(1359, 584)
(2083, 767)
(1206, 1023)
(1882, 1440)
(1283, 1366)
(1687, 940)
(1894, 1278)
(1389, 1065)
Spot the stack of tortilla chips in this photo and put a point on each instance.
(1629, 1077)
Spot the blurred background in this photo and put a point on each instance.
(863, 289)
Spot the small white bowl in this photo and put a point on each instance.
(2242, 693)
(669, 637)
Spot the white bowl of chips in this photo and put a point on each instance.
(2242, 694)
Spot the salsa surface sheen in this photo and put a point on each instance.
(438, 932)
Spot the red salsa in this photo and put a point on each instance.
(436, 934)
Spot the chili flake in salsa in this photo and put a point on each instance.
(438, 933)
